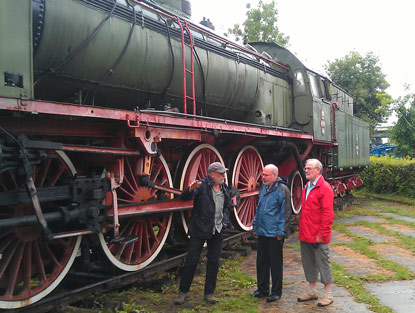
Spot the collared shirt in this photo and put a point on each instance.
(219, 199)
(310, 186)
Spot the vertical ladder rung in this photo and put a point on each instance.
(186, 70)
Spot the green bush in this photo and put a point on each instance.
(390, 176)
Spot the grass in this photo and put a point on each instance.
(232, 291)
(355, 210)
(387, 209)
(394, 198)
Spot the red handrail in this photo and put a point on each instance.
(185, 70)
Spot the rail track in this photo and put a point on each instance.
(99, 283)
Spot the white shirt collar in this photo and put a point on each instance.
(315, 182)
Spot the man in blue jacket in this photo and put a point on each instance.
(271, 226)
(209, 217)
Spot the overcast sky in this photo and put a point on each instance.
(322, 30)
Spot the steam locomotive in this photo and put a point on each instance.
(109, 108)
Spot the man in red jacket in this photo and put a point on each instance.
(315, 231)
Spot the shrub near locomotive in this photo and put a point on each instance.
(109, 108)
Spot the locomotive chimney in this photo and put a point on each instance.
(207, 23)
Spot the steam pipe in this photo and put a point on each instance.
(31, 220)
(296, 155)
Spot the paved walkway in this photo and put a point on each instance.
(295, 284)
(397, 295)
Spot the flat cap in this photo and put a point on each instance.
(217, 167)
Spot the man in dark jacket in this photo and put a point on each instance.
(274, 208)
(209, 217)
(314, 232)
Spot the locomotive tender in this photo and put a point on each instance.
(108, 108)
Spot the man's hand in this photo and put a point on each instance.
(194, 185)
(319, 240)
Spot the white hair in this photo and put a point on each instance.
(273, 168)
(316, 163)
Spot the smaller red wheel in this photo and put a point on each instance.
(195, 168)
(151, 231)
(296, 188)
(246, 176)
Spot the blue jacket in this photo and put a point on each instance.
(202, 220)
(272, 210)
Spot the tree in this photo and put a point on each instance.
(260, 25)
(363, 78)
(403, 133)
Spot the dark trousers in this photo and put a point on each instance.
(214, 246)
(269, 258)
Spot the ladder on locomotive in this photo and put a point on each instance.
(187, 71)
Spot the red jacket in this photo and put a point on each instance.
(316, 213)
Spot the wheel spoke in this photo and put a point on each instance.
(130, 173)
(139, 243)
(155, 172)
(13, 180)
(127, 194)
(243, 178)
(5, 260)
(5, 244)
(42, 174)
(146, 239)
(52, 256)
(14, 268)
(39, 263)
(128, 185)
(3, 185)
(56, 175)
(151, 229)
(130, 247)
(27, 266)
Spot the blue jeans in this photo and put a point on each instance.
(214, 245)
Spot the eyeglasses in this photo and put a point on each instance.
(308, 168)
